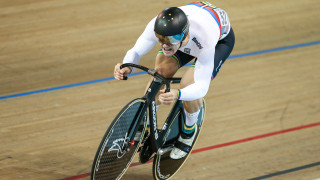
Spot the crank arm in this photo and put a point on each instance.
(162, 151)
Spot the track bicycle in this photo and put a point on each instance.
(127, 135)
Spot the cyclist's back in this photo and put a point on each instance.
(204, 27)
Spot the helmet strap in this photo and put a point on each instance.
(184, 38)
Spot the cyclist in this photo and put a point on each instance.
(199, 31)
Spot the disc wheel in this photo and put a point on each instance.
(163, 166)
(119, 144)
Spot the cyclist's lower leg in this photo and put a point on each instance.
(191, 110)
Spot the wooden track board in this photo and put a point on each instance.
(263, 110)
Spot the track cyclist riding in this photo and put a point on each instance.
(198, 31)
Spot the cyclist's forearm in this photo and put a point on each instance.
(193, 92)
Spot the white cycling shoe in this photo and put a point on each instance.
(178, 153)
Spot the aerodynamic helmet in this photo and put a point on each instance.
(172, 23)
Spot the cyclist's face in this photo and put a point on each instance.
(169, 49)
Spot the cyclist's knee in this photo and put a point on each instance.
(166, 66)
(166, 71)
(192, 106)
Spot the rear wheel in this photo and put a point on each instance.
(163, 166)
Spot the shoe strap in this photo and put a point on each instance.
(183, 147)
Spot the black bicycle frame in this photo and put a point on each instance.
(157, 137)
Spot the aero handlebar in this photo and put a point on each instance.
(153, 73)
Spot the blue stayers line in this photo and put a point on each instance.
(140, 73)
(65, 86)
(275, 49)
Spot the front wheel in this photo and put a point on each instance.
(120, 143)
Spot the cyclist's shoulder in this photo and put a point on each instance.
(198, 17)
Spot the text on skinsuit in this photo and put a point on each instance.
(197, 43)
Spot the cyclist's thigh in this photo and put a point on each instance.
(222, 52)
(187, 78)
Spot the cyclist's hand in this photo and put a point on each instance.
(169, 97)
(119, 73)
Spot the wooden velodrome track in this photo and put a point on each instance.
(263, 109)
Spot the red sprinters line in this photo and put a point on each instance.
(255, 137)
(220, 145)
